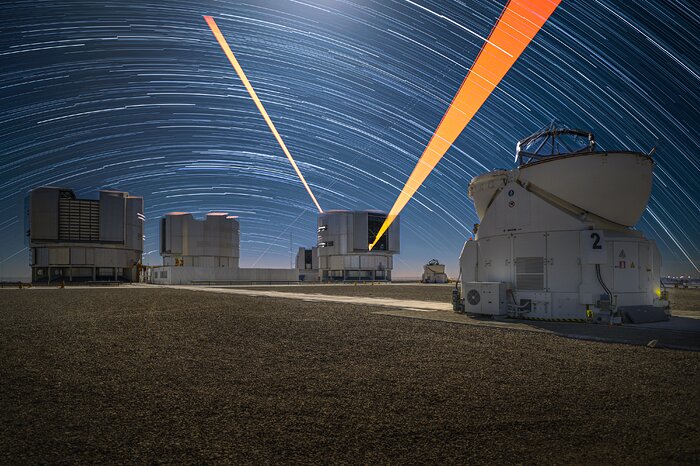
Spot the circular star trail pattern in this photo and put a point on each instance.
(138, 96)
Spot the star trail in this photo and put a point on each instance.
(137, 96)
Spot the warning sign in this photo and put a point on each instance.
(622, 254)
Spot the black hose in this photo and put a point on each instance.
(512, 296)
(602, 283)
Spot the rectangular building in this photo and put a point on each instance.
(75, 239)
(343, 246)
(307, 263)
(211, 242)
(207, 251)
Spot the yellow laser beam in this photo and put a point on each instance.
(232, 58)
(517, 26)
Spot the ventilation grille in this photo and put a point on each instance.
(529, 273)
(79, 220)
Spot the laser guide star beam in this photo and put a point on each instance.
(232, 58)
(518, 24)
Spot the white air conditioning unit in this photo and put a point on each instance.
(488, 298)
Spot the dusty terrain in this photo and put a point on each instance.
(685, 299)
(157, 375)
(420, 292)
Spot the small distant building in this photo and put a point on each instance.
(434, 272)
(207, 251)
(343, 246)
(75, 239)
(307, 263)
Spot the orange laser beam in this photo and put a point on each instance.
(232, 58)
(517, 26)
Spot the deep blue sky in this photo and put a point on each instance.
(138, 96)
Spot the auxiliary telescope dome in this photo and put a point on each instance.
(564, 166)
(556, 239)
(553, 141)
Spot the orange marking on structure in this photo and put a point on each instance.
(232, 58)
(519, 23)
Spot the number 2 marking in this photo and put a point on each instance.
(596, 241)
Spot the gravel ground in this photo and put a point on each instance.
(442, 293)
(156, 375)
(685, 299)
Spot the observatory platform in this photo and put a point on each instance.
(555, 239)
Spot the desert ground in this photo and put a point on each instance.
(685, 300)
(432, 292)
(172, 376)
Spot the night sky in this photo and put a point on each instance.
(138, 96)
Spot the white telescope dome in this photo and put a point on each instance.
(564, 164)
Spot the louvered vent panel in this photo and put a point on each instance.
(79, 220)
(529, 273)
